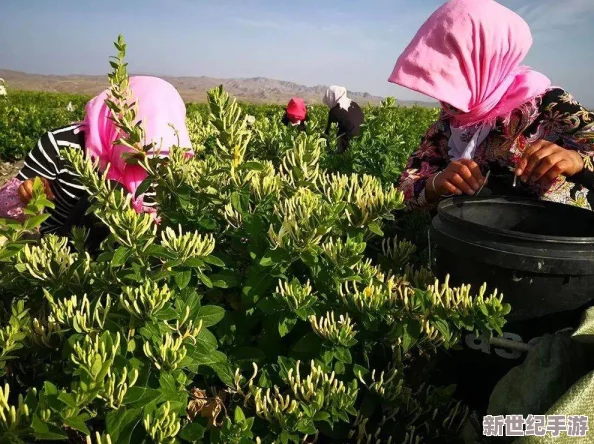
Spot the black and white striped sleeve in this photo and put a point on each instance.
(148, 198)
(42, 161)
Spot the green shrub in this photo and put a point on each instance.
(252, 313)
(25, 116)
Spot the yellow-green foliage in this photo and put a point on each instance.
(251, 313)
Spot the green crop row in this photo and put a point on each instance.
(389, 135)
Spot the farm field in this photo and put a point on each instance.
(391, 132)
(282, 297)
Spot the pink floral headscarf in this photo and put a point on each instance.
(468, 54)
(159, 108)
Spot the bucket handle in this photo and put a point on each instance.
(521, 347)
(511, 345)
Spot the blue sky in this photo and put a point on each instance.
(348, 42)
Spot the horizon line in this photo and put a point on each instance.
(318, 85)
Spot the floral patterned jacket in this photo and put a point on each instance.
(555, 116)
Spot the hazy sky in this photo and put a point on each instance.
(348, 42)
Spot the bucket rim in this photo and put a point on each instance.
(458, 200)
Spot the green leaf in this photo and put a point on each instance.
(68, 399)
(158, 251)
(224, 372)
(285, 364)
(46, 431)
(258, 285)
(411, 334)
(182, 279)
(322, 416)
(78, 423)
(285, 325)
(194, 262)
(150, 331)
(306, 426)
(443, 327)
(120, 256)
(210, 315)
(120, 424)
(213, 260)
(266, 261)
(217, 361)
(170, 391)
(167, 314)
(274, 257)
(236, 202)
(252, 166)
(239, 416)
(375, 229)
(205, 280)
(224, 279)
(206, 340)
(144, 186)
(270, 306)
(207, 222)
(140, 396)
(359, 370)
(193, 432)
(35, 221)
(343, 355)
(49, 388)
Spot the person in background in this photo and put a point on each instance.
(345, 113)
(159, 107)
(296, 114)
(498, 117)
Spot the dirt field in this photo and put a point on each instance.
(9, 170)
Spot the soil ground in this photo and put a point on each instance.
(9, 170)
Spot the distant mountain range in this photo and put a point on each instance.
(192, 89)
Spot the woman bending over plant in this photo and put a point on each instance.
(296, 114)
(161, 112)
(499, 118)
(345, 113)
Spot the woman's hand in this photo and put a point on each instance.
(546, 160)
(26, 190)
(460, 177)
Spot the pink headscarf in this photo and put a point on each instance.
(468, 54)
(159, 106)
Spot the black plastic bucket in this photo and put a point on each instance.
(540, 255)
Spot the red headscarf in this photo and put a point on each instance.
(296, 110)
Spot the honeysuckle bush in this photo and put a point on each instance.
(251, 311)
(25, 116)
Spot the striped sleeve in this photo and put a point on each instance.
(43, 160)
(148, 198)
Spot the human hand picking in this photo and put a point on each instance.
(26, 190)
(460, 177)
(547, 160)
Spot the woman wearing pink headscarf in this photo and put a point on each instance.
(160, 109)
(499, 118)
